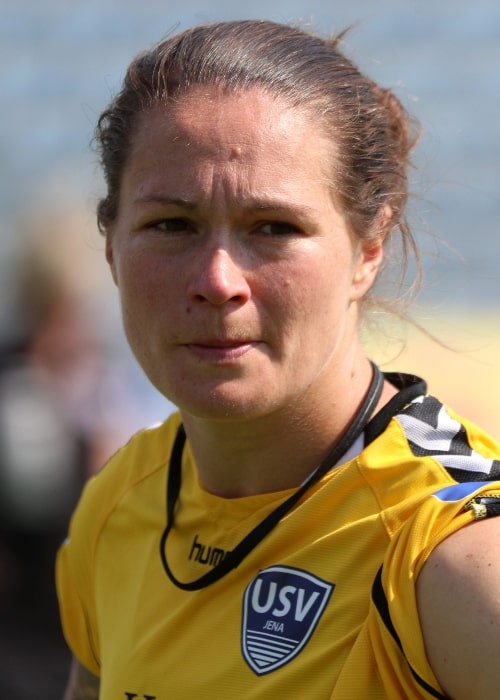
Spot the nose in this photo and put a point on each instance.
(217, 279)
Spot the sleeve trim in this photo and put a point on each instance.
(380, 601)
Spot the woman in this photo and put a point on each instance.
(266, 540)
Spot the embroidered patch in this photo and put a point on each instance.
(281, 608)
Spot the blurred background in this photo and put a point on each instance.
(70, 393)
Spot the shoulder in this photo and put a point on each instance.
(126, 490)
(145, 456)
(147, 452)
(417, 446)
(154, 443)
(424, 429)
(430, 424)
(458, 596)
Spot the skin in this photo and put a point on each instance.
(82, 685)
(458, 595)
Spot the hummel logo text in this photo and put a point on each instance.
(203, 554)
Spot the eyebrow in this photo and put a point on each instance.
(162, 199)
(251, 204)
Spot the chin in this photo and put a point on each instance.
(221, 404)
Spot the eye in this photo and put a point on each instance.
(278, 228)
(173, 225)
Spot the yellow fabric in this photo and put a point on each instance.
(126, 622)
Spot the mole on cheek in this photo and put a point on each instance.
(235, 153)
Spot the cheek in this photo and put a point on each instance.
(302, 297)
(321, 283)
(146, 292)
(143, 279)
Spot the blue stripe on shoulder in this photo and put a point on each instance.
(458, 491)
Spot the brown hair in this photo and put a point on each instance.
(372, 133)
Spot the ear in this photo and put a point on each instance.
(371, 254)
(110, 256)
(367, 265)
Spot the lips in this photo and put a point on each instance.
(221, 350)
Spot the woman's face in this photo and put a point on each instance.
(237, 276)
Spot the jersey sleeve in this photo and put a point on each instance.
(74, 566)
(79, 581)
(394, 590)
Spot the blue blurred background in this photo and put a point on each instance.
(61, 62)
(69, 391)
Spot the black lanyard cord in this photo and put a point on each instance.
(234, 557)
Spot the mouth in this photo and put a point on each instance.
(221, 350)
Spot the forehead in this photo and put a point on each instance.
(245, 125)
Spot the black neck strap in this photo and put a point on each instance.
(255, 536)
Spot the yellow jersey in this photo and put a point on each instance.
(324, 607)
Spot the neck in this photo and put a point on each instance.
(277, 451)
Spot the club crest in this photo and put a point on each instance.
(281, 608)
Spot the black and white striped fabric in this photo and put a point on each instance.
(432, 432)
